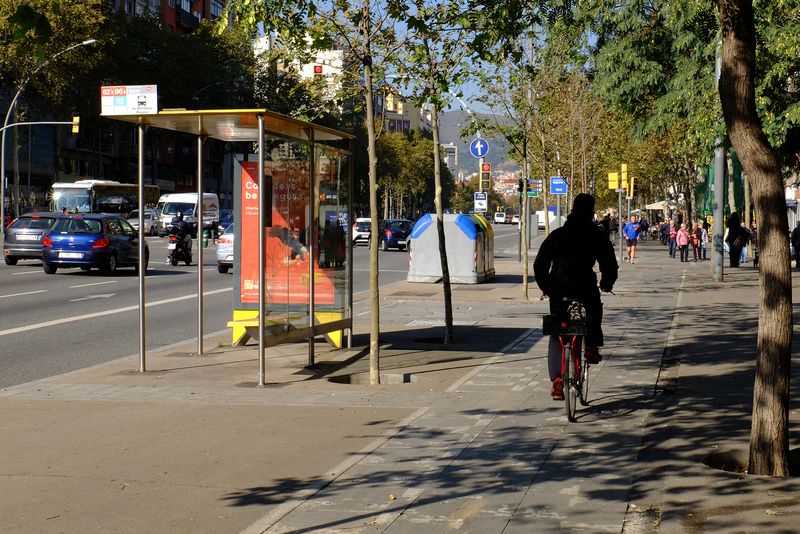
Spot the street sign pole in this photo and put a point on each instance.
(480, 174)
(619, 223)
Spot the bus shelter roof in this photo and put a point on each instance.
(233, 124)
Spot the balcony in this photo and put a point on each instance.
(186, 19)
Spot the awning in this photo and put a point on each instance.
(233, 124)
(662, 205)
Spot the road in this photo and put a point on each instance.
(51, 324)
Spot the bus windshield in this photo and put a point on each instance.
(70, 199)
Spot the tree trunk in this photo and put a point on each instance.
(437, 200)
(769, 438)
(374, 301)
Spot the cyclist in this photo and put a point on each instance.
(564, 267)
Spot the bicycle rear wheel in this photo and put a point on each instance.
(570, 386)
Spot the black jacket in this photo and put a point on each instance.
(564, 265)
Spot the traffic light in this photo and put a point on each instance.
(613, 180)
(486, 176)
(632, 186)
(624, 177)
(317, 70)
(519, 185)
(76, 124)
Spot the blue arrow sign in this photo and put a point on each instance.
(479, 148)
(558, 186)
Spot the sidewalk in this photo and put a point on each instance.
(463, 437)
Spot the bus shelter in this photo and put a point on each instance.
(293, 279)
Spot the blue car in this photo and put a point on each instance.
(393, 233)
(88, 241)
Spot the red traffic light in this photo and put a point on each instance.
(486, 167)
(317, 69)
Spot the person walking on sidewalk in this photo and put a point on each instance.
(632, 232)
(704, 241)
(673, 234)
(737, 238)
(564, 267)
(682, 240)
(696, 236)
(795, 238)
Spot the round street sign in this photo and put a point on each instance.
(479, 148)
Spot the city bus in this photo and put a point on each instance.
(101, 196)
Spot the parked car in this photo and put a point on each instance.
(393, 233)
(361, 230)
(515, 219)
(500, 217)
(23, 237)
(150, 221)
(225, 250)
(88, 241)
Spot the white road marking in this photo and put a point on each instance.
(55, 322)
(28, 272)
(21, 294)
(94, 284)
(90, 297)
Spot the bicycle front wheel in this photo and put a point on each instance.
(584, 381)
(570, 385)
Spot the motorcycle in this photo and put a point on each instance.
(179, 247)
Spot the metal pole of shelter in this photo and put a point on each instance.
(142, 259)
(313, 223)
(718, 252)
(261, 246)
(350, 219)
(199, 219)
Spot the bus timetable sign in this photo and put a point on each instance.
(128, 100)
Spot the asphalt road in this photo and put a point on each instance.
(51, 324)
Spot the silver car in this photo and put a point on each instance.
(23, 237)
(225, 250)
(150, 221)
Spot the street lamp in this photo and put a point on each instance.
(5, 124)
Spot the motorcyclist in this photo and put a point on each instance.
(564, 267)
(182, 230)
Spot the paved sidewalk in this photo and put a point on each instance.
(471, 442)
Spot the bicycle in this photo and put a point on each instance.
(570, 327)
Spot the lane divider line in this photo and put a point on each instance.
(93, 284)
(45, 324)
(21, 294)
(27, 272)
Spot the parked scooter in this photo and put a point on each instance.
(179, 246)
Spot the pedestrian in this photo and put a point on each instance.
(754, 244)
(682, 240)
(704, 240)
(796, 244)
(64, 211)
(695, 236)
(632, 232)
(743, 255)
(737, 238)
(673, 233)
(664, 231)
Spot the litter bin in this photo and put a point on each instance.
(467, 244)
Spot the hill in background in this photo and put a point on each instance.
(451, 124)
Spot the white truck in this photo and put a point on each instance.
(186, 203)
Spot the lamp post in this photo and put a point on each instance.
(5, 123)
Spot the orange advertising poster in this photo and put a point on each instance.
(286, 262)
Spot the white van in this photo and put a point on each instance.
(186, 203)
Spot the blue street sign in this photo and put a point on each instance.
(479, 148)
(557, 185)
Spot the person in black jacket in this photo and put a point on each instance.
(564, 267)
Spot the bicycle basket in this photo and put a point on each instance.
(554, 325)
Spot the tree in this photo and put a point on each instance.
(769, 436)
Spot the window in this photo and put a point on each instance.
(129, 7)
(216, 8)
